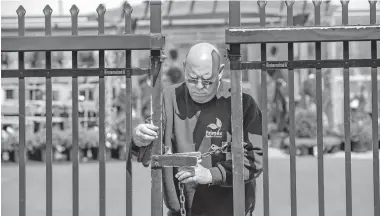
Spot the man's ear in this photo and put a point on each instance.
(221, 70)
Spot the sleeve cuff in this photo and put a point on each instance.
(135, 149)
(217, 177)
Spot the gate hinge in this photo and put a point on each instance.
(232, 57)
(156, 63)
(235, 60)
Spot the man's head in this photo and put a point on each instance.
(203, 71)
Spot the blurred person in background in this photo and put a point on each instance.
(174, 74)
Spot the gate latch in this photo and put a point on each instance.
(176, 160)
(186, 159)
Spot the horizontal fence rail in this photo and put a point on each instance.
(307, 64)
(82, 43)
(82, 72)
(302, 34)
(128, 41)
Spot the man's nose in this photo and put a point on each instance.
(199, 84)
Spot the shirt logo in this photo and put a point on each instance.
(215, 130)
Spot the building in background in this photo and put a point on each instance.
(360, 78)
(35, 87)
(184, 24)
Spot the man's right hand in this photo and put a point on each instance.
(144, 134)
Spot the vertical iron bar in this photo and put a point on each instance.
(347, 120)
(75, 127)
(128, 54)
(49, 125)
(156, 190)
(318, 56)
(264, 103)
(102, 124)
(293, 175)
(21, 121)
(375, 116)
(237, 117)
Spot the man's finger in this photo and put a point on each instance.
(145, 137)
(246, 161)
(181, 172)
(189, 180)
(148, 131)
(185, 176)
(152, 127)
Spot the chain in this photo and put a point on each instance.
(182, 199)
(215, 150)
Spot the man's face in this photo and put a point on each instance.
(202, 80)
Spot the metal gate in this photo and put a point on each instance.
(154, 41)
(236, 35)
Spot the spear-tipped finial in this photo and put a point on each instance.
(20, 11)
(74, 10)
(372, 2)
(289, 3)
(317, 2)
(47, 10)
(261, 3)
(127, 8)
(344, 2)
(101, 9)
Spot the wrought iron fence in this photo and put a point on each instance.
(235, 36)
(154, 41)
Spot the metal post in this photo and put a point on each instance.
(128, 115)
(347, 120)
(102, 123)
(75, 125)
(156, 106)
(49, 125)
(237, 117)
(21, 121)
(293, 174)
(318, 55)
(264, 105)
(375, 116)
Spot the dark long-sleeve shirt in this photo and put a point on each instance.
(189, 126)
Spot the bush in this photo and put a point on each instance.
(305, 123)
(63, 138)
(360, 131)
(9, 141)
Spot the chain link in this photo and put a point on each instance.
(182, 199)
(215, 150)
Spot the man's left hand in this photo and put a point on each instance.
(198, 175)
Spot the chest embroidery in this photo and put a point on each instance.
(213, 129)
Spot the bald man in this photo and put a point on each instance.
(196, 114)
